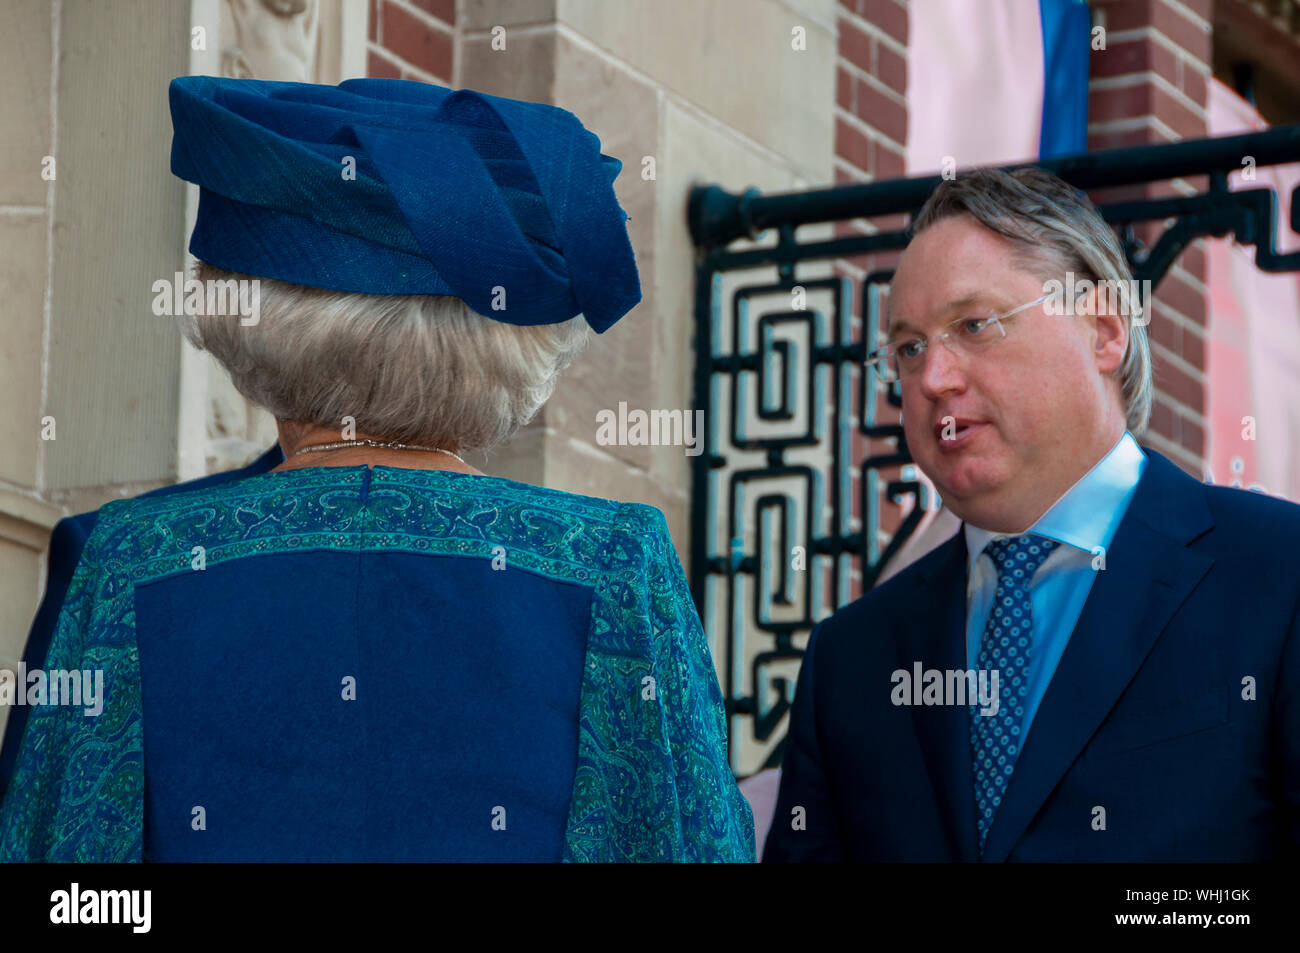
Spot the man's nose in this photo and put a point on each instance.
(943, 372)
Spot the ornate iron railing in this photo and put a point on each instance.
(792, 415)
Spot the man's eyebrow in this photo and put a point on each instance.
(956, 304)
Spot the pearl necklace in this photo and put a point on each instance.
(391, 445)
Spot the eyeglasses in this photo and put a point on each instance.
(964, 337)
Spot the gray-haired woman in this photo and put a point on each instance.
(375, 651)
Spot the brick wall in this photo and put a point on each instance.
(1149, 85)
(412, 39)
(870, 144)
(871, 90)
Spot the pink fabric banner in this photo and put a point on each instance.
(975, 83)
(1253, 344)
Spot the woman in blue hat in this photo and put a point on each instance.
(375, 651)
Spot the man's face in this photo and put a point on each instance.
(1032, 412)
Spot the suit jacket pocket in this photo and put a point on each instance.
(1126, 729)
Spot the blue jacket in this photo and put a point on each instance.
(66, 542)
(1170, 731)
(387, 663)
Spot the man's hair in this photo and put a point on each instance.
(422, 369)
(1055, 229)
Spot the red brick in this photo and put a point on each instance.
(1148, 233)
(1194, 348)
(1162, 420)
(886, 163)
(891, 517)
(444, 10)
(1165, 331)
(1193, 260)
(423, 46)
(890, 223)
(1121, 102)
(372, 22)
(851, 145)
(885, 260)
(844, 89)
(1134, 56)
(846, 175)
(1145, 99)
(381, 67)
(1191, 435)
(855, 45)
(1160, 189)
(1134, 14)
(858, 262)
(884, 114)
(1178, 384)
(1148, 134)
(1101, 141)
(889, 16)
(891, 68)
(1118, 193)
(1178, 115)
(1194, 86)
(1187, 300)
(1167, 189)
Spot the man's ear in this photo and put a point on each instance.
(1111, 325)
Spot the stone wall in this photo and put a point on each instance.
(661, 84)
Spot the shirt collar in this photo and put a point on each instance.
(1088, 513)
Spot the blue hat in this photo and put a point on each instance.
(387, 186)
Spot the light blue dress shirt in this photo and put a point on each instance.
(1084, 520)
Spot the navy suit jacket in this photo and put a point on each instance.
(66, 542)
(1144, 718)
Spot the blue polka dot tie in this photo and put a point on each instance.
(1005, 647)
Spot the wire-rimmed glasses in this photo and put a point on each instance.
(965, 337)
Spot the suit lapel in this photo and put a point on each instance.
(933, 632)
(1148, 574)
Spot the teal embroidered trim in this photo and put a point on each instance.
(652, 782)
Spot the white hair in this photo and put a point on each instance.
(421, 369)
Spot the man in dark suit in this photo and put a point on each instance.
(1104, 663)
(66, 542)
